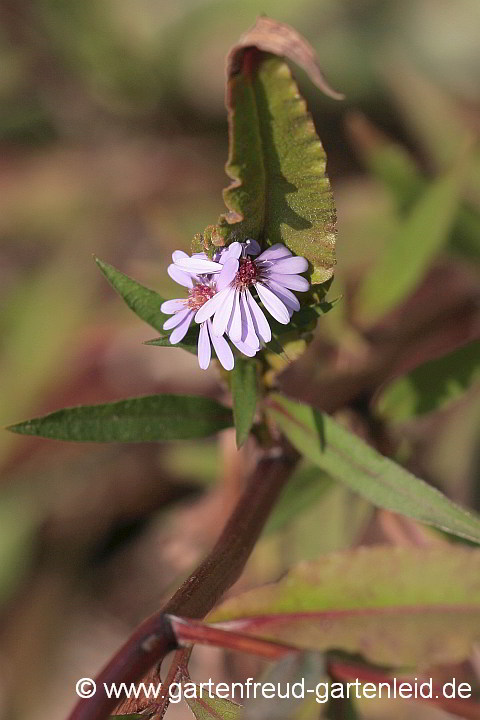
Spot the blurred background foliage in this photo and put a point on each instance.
(113, 136)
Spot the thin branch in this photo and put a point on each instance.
(155, 638)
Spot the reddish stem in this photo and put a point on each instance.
(154, 638)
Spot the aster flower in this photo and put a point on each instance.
(201, 288)
(233, 309)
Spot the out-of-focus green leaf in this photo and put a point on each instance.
(144, 419)
(206, 707)
(396, 169)
(144, 302)
(421, 235)
(306, 486)
(343, 707)
(348, 459)
(244, 395)
(197, 461)
(431, 385)
(305, 668)
(394, 605)
(45, 314)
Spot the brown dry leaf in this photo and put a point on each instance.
(280, 39)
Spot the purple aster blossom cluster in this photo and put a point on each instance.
(221, 301)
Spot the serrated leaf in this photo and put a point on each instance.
(394, 605)
(280, 191)
(205, 707)
(144, 302)
(350, 460)
(244, 395)
(143, 419)
(421, 235)
(432, 385)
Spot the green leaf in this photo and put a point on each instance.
(144, 302)
(303, 320)
(304, 489)
(419, 238)
(397, 606)
(189, 342)
(280, 192)
(143, 419)
(244, 395)
(305, 668)
(206, 707)
(432, 385)
(395, 168)
(350, 460)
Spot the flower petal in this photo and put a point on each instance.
(211, 306)
(294, 282)
(245, 349)
(222, 348)
(177, 254)
(234, 250)
(181, 329)
(290, 265)
(180, 276)
(260, 322)
(204, 347)
(249, 333)
(228, 272)
(279, 250)
(285, 295)
(198, 265)
(224, 312)
(273, 304)
(234, 327)
(172, 306)
(176, 319)
(253, 248)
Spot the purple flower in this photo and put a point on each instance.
(233, 309)
(201, 288)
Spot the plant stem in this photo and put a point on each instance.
(154, 638)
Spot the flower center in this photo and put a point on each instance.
(247, 273)
(198, 295)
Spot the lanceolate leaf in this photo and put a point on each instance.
(280, 192)
(144, 302)
(350, 460)
(188, 343)
(142, 419)
(244, 395)
(432, 385)
(395, 606)
(418, 240)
